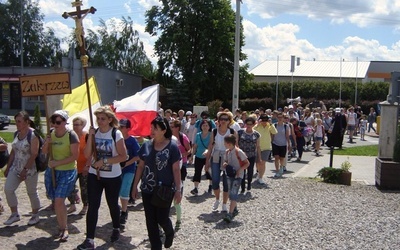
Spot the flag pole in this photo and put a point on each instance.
(78, 16)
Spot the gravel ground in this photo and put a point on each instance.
(287, 214)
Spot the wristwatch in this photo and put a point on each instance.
(105, 161)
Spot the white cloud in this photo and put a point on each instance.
(147, 4)
(269, 42)
(358, 12)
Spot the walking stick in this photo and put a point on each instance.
(49, 154)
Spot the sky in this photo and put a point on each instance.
(363, 30)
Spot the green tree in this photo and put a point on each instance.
(119, 47)
(196, 46)
(40, 46)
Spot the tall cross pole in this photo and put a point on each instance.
(78, 16)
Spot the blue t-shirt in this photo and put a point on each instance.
(132, 148)
(160, 161)
(202, 144)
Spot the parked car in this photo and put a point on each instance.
(4, 121)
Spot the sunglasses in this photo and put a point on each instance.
(58, 122)
(223, 119)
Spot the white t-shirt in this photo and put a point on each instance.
(106, 148)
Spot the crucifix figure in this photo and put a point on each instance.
(78, 16)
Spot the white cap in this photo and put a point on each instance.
(188, 112)
(337, 110)
(239, 121)
(290, 106)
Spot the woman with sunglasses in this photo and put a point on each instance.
(63, 146)
(21, 167)
(158, 165)
(216, 152)
(104, 173)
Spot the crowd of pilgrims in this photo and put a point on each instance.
(232, 148)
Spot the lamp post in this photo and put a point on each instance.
(235, 89)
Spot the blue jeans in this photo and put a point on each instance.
(233, 187)
(216, 176)
(156, 216)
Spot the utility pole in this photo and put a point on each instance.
(235, 90)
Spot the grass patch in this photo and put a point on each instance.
(370, 150)
(7, 136)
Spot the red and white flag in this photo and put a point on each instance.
(140, 109)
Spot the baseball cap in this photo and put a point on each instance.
(188, 112)
(125, 123)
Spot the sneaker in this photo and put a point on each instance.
(224, 208)
(71, 209)
(86, 245)
(215, 206)
(13, 218)
(228, 218)
(277, 175)
(235, 212)
(115, 235)
(131, 201)
(261, 181)
(177, 225)
(33, 220)
(284, 169)
(281, 170)
(243, 191)
(194, 191)
(209, 189)
(122, 219)
(168, 240)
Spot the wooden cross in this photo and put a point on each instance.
(78, 16)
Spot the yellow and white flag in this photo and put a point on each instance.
(76, 103)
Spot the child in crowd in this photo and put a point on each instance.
(363, 126)
(235, 163)
(319, 135)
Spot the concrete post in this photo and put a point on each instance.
(388, 129)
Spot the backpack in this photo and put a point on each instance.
(41, 159)
(3, 155)
(181, 140)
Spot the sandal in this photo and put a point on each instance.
(65, 235)
(62, 235)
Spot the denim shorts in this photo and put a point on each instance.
(65, 183)
(127, 179)
(318, 138)
(233, 187)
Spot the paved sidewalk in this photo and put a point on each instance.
(363, 167)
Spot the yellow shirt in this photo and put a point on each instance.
(265, 132)
(61, 150)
